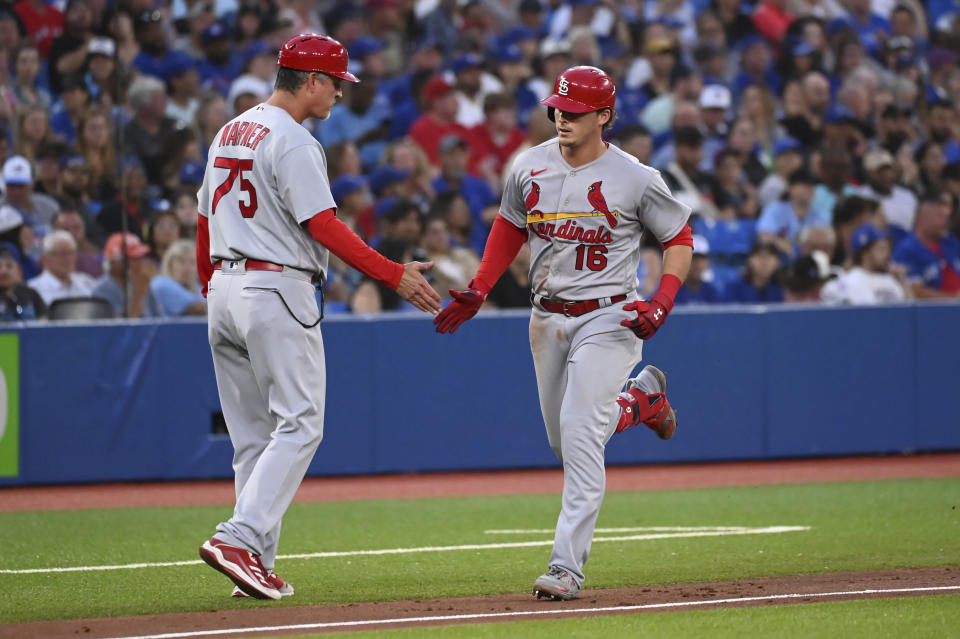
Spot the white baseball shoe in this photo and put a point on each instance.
(556, 584)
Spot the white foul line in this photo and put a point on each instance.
(533, 531)
(404, 551)
(528, 613)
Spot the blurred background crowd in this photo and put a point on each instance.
(817, 141)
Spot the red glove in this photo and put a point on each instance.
(465, 305)
(650, 317)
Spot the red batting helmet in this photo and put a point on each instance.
(581, 90)
(314, 52)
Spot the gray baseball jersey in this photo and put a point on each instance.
(271, 174)
(585, 223)
(265, 175)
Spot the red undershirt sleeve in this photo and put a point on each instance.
(504, 243)
(204, 265)
(330, 231)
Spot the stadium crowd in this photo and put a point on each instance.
(817, 141)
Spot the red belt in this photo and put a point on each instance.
(252, 265)
(576, 309)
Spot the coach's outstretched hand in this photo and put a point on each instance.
(465, 305)
(650, 317)
(414, 288)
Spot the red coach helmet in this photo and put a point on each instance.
(314, 52)
(581, 90)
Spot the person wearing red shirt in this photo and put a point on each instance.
(494, 141)
(439, 120)
(772, 19)
(43, 23)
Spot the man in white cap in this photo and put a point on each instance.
(37, 209)
(899, 204)
(60, 277)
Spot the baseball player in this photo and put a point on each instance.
(267, 221)
(584, 205)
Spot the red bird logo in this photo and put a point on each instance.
(599, 203)
(532, 198)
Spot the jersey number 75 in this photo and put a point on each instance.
(236, 167)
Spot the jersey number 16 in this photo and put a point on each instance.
(593, 256)
(236, 167)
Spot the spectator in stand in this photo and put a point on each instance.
(772, 18)
(540, 129)
(512, 290)
(68, 53)
(733, 195)
(353, 200)
(736, 23)
(220, 63)
(95, 144)
(185, 206)
(33, 130)
(453, 208)
(183, 85)
(758, 284)
(69, 219)
(943, 127)
(759, 107)
(66, 114)
(715, 103)
(37, 209)
(743, 141)
(871, 29)
(637, 141)
(179, 149)
(47, 163)
(407, 156)
(850, 213)
(478, 194)
(42, 22)
(453, 266)
(15, 230)
(894, 128)
(144, 134)
(787, 158)
(439, 120)
(211, 115)
(930, 162)
(26, 68)
(898, 204)
(804, 279)
(140, 301)
(102, 75)
(872, 279)
(473, 85)
(756, 66)
(835, 170)
(492, 142)
(163, 231)
(17, 300)
(698, 288)
(60, 278)
(131, 202)
(363, 118)
(804, 108)
(818, 238)
(154, 58)
(684, 177)
(781, 221)
(663, 56)
(177, 289)
(74, 185)
(930, 255)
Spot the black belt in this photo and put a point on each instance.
(575, 308)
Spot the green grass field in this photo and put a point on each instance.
(852, 526)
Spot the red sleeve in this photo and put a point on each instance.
(504, 243)
(683, 238)
(204, 265)
(329, 230)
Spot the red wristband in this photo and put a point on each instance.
(330, 231)
(667, 291)
(503, 244)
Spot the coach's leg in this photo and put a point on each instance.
(288, 362)
(597, 369)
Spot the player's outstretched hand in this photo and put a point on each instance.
(414, 288)
(650, 317)
(465, 305)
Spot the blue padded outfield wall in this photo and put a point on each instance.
(134, 401)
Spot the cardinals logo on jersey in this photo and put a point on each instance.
(532, 198)
(599, 203)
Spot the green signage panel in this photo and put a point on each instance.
(9, 405)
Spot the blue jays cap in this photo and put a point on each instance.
(215, 31)
(466, 61)
(192, 172)
(840, 113)
(786, 144)
(509, 53)
(384, 176)
(864, 236)
(364, 46)
(345, 185)
(384, 206)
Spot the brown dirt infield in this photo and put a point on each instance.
(466, 484)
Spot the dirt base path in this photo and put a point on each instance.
(295, 620)
(659, 477)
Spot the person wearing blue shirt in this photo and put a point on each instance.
(930, 255)
(696, 288)
(453, 177)
(363, 119)
(757, 285)
(781, 221)
(871, 28)
(222, 63)
(176, 288)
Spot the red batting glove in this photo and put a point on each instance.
(650, 317)
(465, 305)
